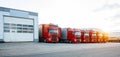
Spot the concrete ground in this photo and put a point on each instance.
(31, 49)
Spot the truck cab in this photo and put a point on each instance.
(86, 36)
(71, 35)
(82, 36)
(49, 33)
(99, 36)
(77, 36)
(105, 37)
(93, 37)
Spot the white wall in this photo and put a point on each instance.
(1, 23)
(35, 27)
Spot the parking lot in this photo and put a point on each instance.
(31, 48)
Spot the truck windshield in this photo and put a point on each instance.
(100, 34)
(77, 33)
(53, 31)
(93, 34)
(86, 34)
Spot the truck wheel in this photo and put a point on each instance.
(70, 41)
(44, 41)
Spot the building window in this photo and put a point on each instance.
(18, 28)
(6, 27)
(6, 24)
(25, 25)
(30, 25)
(6, 30)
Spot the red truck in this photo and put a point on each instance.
(93, 38)
(49, 33)
(99, 36)
(90, 36)
(86, 36)
(105, 37)
(71, 35)
(82, 36)
(102, 36)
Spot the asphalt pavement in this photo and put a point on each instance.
(59, 50)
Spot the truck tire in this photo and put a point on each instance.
(70, 41)
(44, 41)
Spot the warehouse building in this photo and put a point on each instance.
(18, 25)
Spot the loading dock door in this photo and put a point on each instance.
(18, 29)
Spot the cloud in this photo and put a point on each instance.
(114, 22)
(107, 7)
(117, 16)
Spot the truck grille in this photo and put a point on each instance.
(54, 37)
(77, 37)
(78, 41)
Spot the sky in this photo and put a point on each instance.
(102, 14)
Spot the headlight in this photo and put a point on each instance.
(84, 40)
(92, 40)
(80, 40)
(49, 38)
(75, 40)
(57, 39)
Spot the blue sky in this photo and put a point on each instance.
(103, 14)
